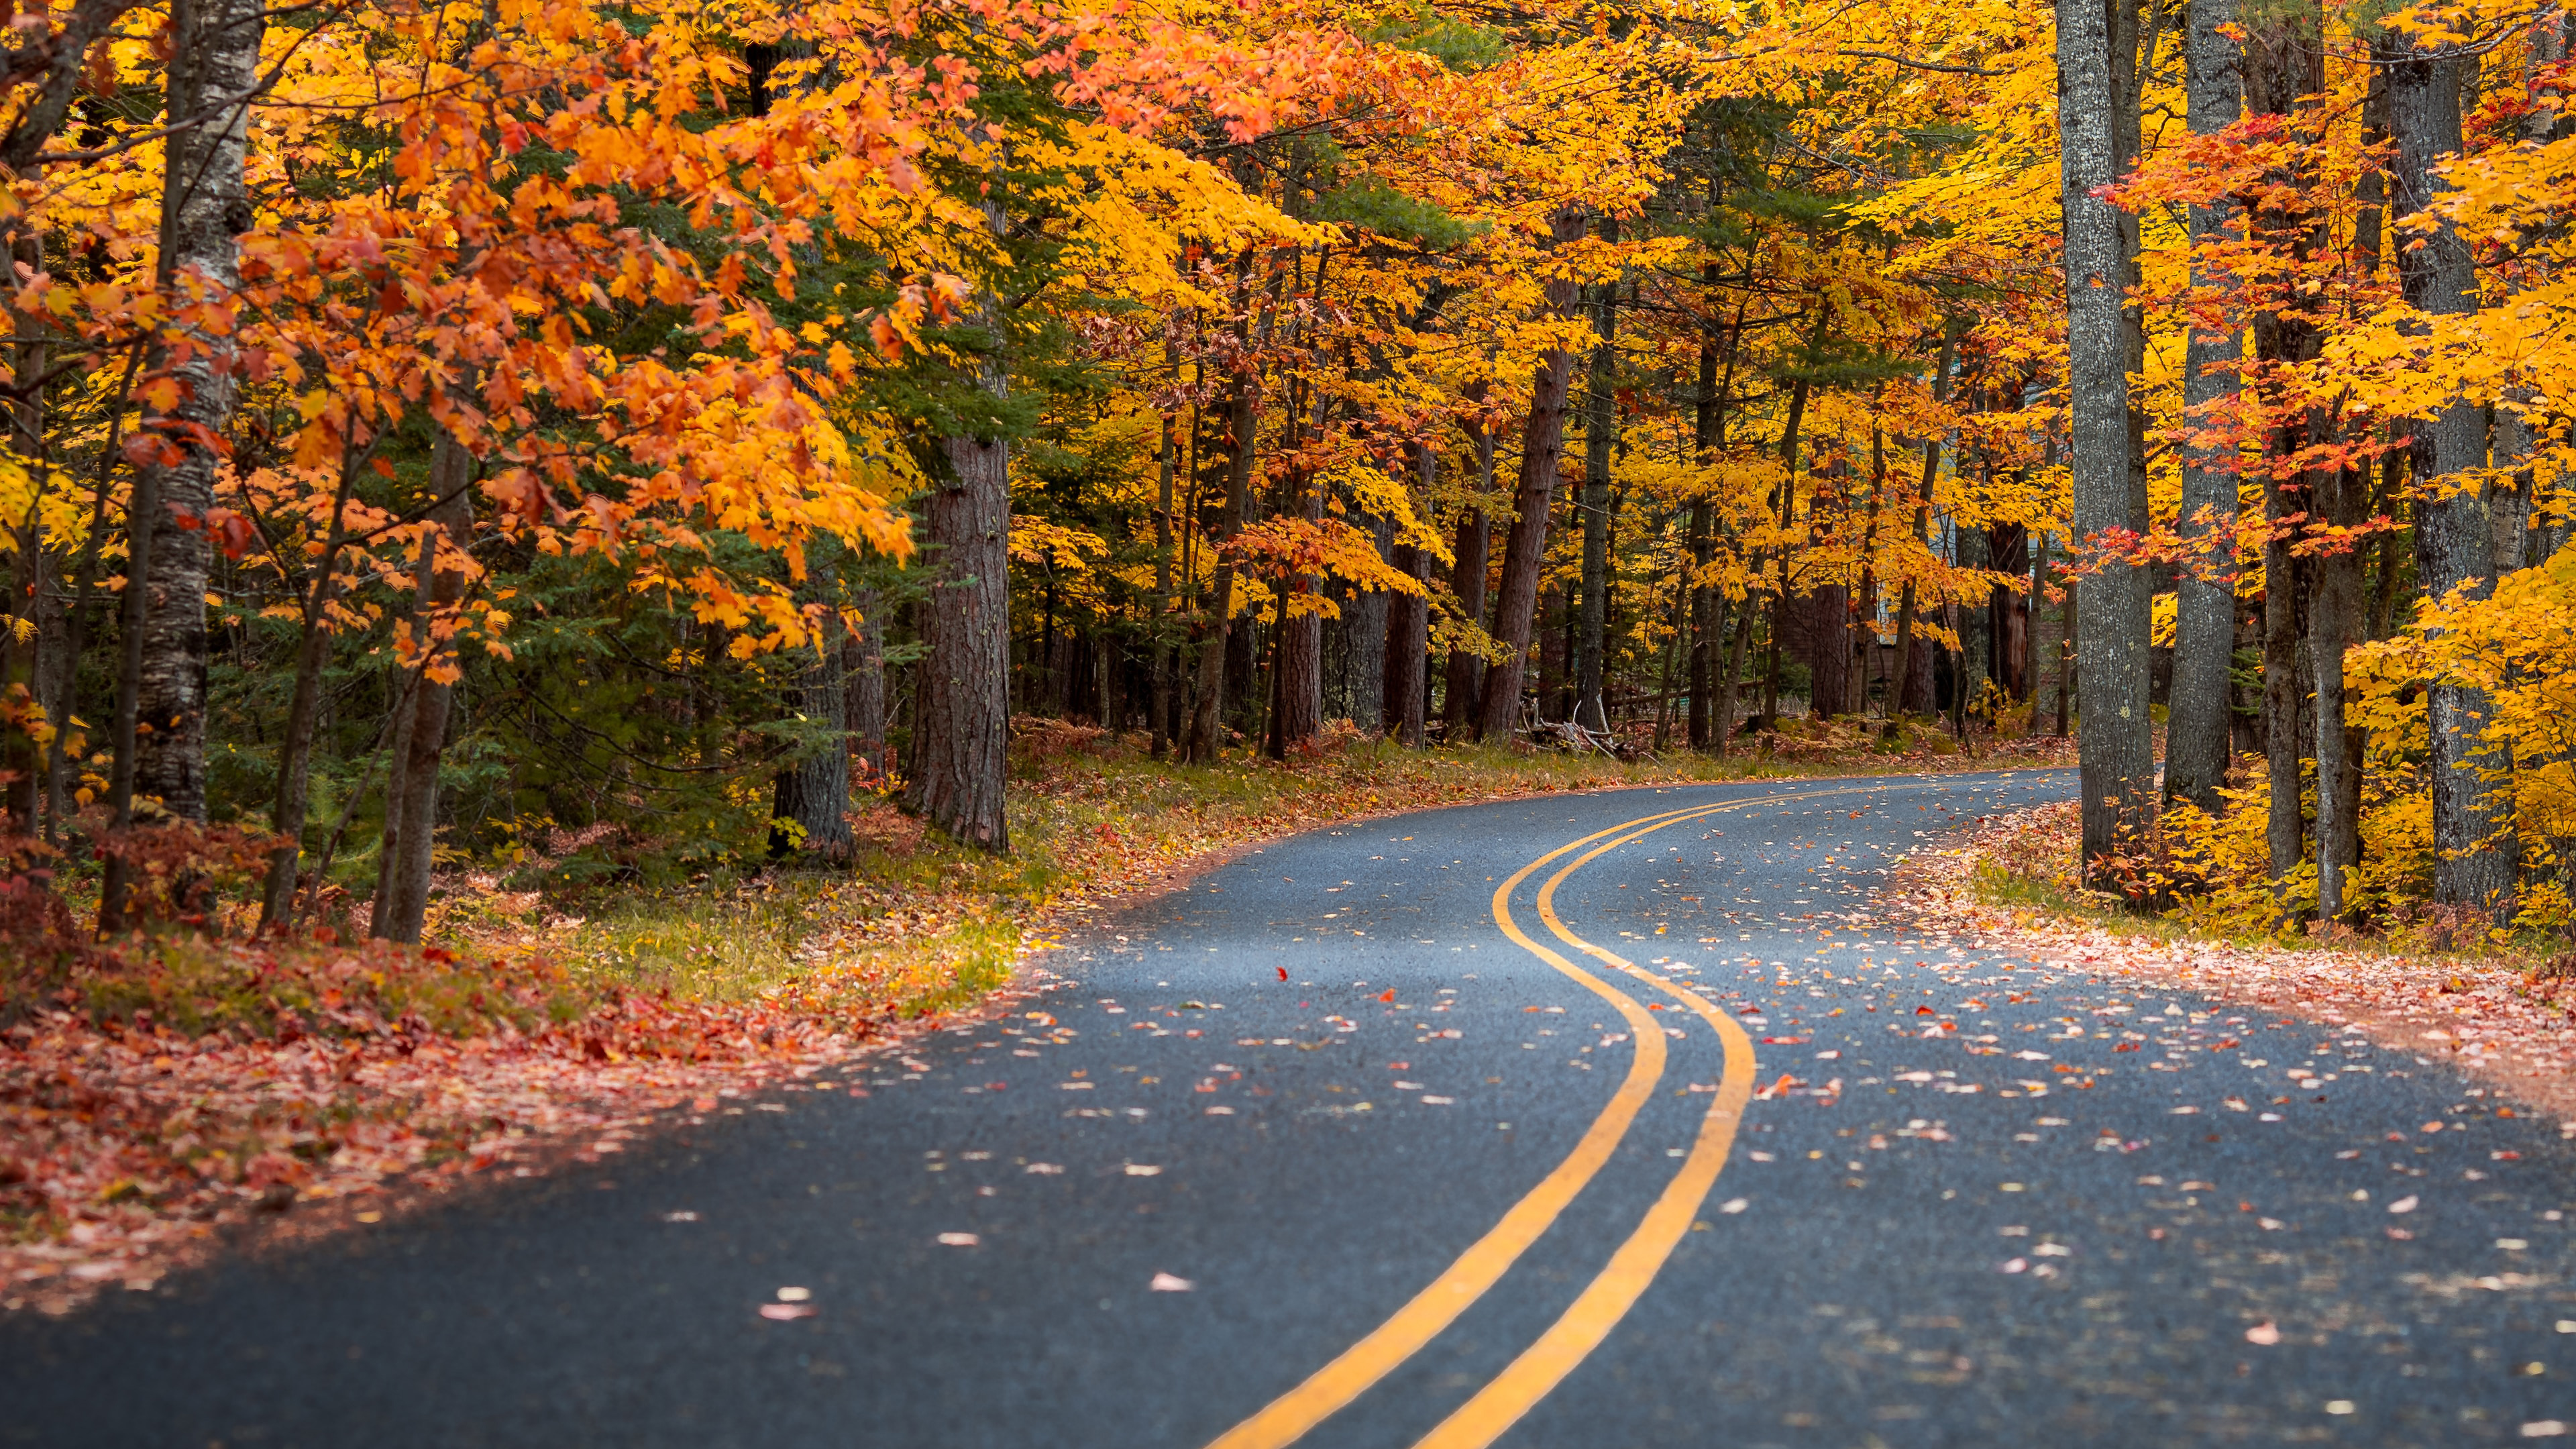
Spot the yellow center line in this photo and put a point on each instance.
(1607, 1299)
(1328, 1389)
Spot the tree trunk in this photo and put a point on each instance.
(1365, 618)
(962, 740)
(207, 207)
(962, 747)
(304, 703)
(2196, 734)
(2007, 611)
(2117, 750)
(1206, 717)
(1730, 679)
(2284, 587)
(1829, 658)
(160, 731)
(1912, 693)
(1297, 687)
(813, 791)
(1600, 423)
(1525, 552)
(411, 821)
(2474, 850)
(1408, 628)
(863, 665)
(2334, 624)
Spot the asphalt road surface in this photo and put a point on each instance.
(1698, 1150)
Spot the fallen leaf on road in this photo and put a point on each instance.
(1734, 1205)
(795, 1295)
(1166, 1283)
(1139, 1169)
(2404, 1205)
(958, 1240)
(1046, 1169)
(2263, 1333)
(784, 1312)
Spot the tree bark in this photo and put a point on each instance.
(1243, 412)
(1525, 552)
(2196, 733)
(1408, 627)
(813, 791)
(1600, 422)
(1166, 460)
(295, 750)
(864, 667)
(2007, 611)
(411, 822)
(1912, 691)
(2117, 750)
(2334, 624)
(2474, 852)
(1365, 619)
(963, 744)
(207, 207)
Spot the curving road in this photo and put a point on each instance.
(1612, 1120)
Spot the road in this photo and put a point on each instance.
(1339, 1148)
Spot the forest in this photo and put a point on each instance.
(640, 436)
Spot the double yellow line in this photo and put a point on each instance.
(1607, 1299)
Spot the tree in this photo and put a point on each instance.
(2454, 527)
(1525, 550)
(205, 207)
(2117, 748)
(2198, 730)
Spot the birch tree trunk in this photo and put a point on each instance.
(215, 67)
(2116, 749)
(2196, 734)
(2454, 532)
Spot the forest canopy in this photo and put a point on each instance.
(654, 431)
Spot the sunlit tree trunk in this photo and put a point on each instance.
(2117, 751)
(216, 62)
(2454, 531)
